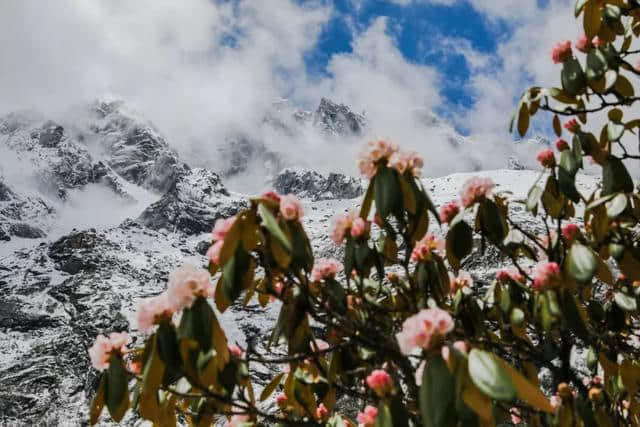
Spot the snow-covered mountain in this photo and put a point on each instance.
(149, 211)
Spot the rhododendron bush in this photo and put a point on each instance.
(396, 327)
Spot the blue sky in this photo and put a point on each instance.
(416, 28)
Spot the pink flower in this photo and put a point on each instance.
(103, 348)
(510, 274)
(423, 248)
(325, 268)
(135, 367)
(238, 421)
(342, 224)
(214, 252)
(380, 382)
(281, 399)
(583, 44)
(561, 144)
(597, 41)
(546, 158)
(461, 346)
(406, 162)
(271, 195)
(321, 411)
(637, 66)
(463, 279)
(222, 227)
(418, 329)
(290, 208)
(359, 227)
(449, 211)
(561, 52)
(186, 284)
(475, 189)
(374, 153)
(570, 232)
(278, 288)
(546, 275)
(516, 416)
(236, 351)
(367, 418)
(572, 125)
(151, 310)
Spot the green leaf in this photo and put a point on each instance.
(617, 205)
(152, 375)
(614, 131)
(492, 221)
(459, 243)
(487, 374)
(579, 6)
(615, 177)
(592, 19)
(557, 127)
(117, 389)
(437, 394)
(533, 198)
(572, 77)
(576, 149)
(196, 324)
(566, 181)
(523, 119)
(387, 193)
(271, 224)
(271, 387)
(384, 416)
(596, 64)
(517, 317)
(97, 404)
(625, 301)
(236, 274)
(582, 263)
(568, 162)
(571, 314)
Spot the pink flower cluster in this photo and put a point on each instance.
(510, 274)
(271, 195)
(424, 247)
(598, 42)
(325, 268)
(103, 347)
(380, 382)
(373, 153)
(367, 418)
(463, 279)
(418, 329)
(546, 275)
(236, 351)
(572, 125)
(349, 223)
(449, 211)
(151, 310)
(475, 189)
(186, 284)
(583, 44)
(570, 232)
(561, 144)
(220, 230)
(406, 162)
(561, 52)
(546, 158)
(291, 208)
(321, 411)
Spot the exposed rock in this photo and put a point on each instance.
(514, 164)
(51, 135)
(314, 186)
(4, 236)
(26, 231)
(192, 205)
(337, 119)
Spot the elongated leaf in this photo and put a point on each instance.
(117, 389)
(523, 119)
(581, 263)
(489, 376)
(615, 177)
(437, 394)
(625, 301)
(97, 404)
(572, 77)
(592, 18)
(271, 224)
(459, 243)
(387, 193)
(526, 391)
(384, 416)
(149, 408)
(617, 205)
(566, 181)
(368, 200)
(196, 324)
(271, 387)
(557, 127)
(533, 198)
